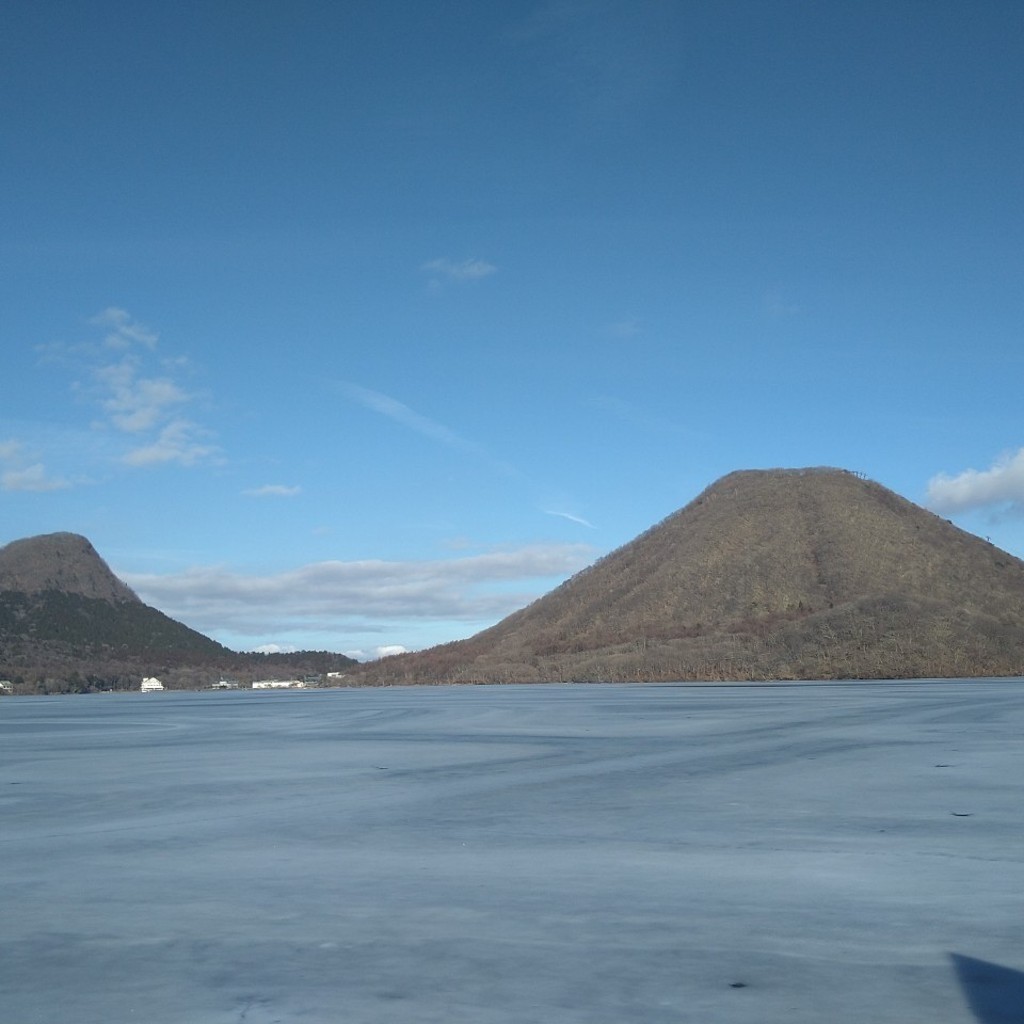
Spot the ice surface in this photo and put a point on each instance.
(615, 854)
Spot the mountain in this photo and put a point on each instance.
(64, 562)
(768, 574)
(63, 612)
(67, 622)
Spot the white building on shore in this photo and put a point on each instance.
(151, 685)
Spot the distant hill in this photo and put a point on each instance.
(67, 622)
(62, 562)
(63, 614)
(773, 574)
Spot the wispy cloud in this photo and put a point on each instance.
(20, 473)
(571, 517)
(332, 597)
(31, 478)
(136, 403)
(1001, 486)
(272, 491)
(403, 414)
(180, 442)
(138, 392)
(458, 272)
(122, 331)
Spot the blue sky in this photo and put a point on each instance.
(357, 326)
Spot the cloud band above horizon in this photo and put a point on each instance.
(332, 599)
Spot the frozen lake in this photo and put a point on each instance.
(616, 854)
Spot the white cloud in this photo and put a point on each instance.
(31, 478)
(381, 651)
(388, 650)
(20, 477)
(369, 596)
(139, 393)
(1000, 485)
(178, 442)
(123, 331)
(272, 491)
(458, 273)
(136, 403)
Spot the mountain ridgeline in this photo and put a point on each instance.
(768, 574)
(773, 574)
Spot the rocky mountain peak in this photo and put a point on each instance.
(63, 562)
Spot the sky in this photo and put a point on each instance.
(357, 326)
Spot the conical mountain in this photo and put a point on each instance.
(768, 574)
